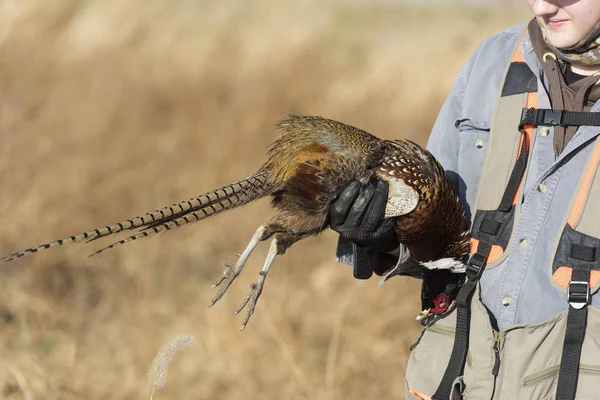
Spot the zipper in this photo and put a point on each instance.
(541, 376)
(589, 368)
(496, 366)
(552, 372)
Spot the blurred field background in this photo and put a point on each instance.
(111, 108)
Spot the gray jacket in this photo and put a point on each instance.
(518, 290)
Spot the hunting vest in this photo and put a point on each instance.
(460, 355)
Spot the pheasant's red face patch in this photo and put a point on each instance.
(440, 304)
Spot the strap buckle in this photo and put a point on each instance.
(475, 265)
(541, 117)
(578, 294)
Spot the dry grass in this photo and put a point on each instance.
(112, 108)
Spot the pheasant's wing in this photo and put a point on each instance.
(402, 199)
(407, 169)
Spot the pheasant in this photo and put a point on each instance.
(306, 169)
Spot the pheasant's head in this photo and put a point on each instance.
(442, 280)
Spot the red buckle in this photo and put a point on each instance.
(441, 304)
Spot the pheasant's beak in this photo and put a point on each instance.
(423, 314)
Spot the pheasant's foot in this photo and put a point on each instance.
(250, 300)
(233, 271)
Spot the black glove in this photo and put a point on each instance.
(358, 215)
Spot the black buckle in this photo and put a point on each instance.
(475, 266)
(542, 117)
(551, 117)
(578, 294)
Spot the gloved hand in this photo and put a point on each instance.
(358, 215)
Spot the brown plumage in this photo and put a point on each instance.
(305, 170)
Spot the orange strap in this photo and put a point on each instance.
(584, 188)
(562, 275)
(531, 102)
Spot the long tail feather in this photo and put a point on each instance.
(194, 216)
(226, 197)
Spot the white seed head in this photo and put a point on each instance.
(157, 375)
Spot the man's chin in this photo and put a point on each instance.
(562, 37)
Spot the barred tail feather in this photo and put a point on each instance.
(60, 242)
(226, 197)
(194, 216)
(167, 213)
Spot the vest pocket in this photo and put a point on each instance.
(429, 358)
(547, 379)
(441, 329)
(539, 377)
(532, 355)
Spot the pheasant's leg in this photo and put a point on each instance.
(232, 271)
(256, 288)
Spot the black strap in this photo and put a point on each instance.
(548, 117)
(516, 175)
(461, 341)
(475, 267)
(579, 299)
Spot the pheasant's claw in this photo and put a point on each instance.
(229, 274)
(218, 282)
(226, 280)
(250, 303)
(226, 272)
(246, 299)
